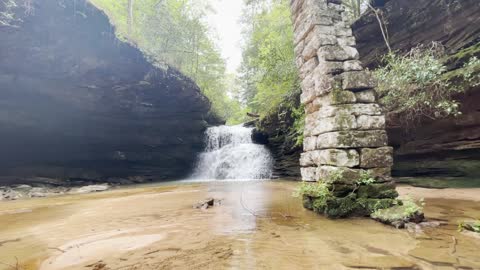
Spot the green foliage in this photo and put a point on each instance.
(355, 8)
(471, 71)
(298, 113)
(411, 207)
(174, 33)
(316, 190)
(412, 85)
(365, 178)
(405, 211)
(470, 226)
(268, 70)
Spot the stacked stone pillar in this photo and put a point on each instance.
(345, 140)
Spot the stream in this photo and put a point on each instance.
(257, 224)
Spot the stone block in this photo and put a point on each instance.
(309, 174)
(369, 122)
(352, 139)
(308, 89)
(328, 100)
(340, 122)
(338, 175)
(336, 97)
(306, 159)
(323, 84)
(381, 175)
(352, 65)
(337, 53)
(306, 24)
(333, 157)
(328, 67)
(358, 80)
(354, 109)
(299, 62)
(346, 41)
(366, 96)
(299, 48)
(307, 68)
(309, 143)
(378, 191)
(376, 157)
(314, 41)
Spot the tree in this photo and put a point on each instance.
(174, 33)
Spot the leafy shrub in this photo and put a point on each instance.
(471, 226)
(471, 71)
(317, 189)
(413, 85)
(411, 207)
(365, 178)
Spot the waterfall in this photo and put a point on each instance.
(231, 154)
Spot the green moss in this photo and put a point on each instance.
(463, 56)
(339, 207)
(377, 191)
(470, 226)
(369, 206)
(344, 120)
(404, 212)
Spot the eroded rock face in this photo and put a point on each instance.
(447, 147)
(454, 23)
(77, 103)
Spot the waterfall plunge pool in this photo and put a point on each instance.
(259, 225)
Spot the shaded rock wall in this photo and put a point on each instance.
(276, 132)
(447, 147)
(76, 103)
(454, 23)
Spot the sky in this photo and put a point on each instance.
(226, 22)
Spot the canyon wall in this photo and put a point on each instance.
(445, 147)
(78, 104)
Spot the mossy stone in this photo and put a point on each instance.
(378, 191)
(397, 216)
(334, 207)
(368, 205)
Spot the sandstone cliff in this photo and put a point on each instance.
(447, 147)
(78, 104)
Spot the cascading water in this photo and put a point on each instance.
(231, 154)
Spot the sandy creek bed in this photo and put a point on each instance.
(258, 226)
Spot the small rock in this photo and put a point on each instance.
(23, 187)
(207, 203)
(10, 194)
(89, 189)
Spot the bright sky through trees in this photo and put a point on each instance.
(226, 22)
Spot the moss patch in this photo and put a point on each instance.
(377, 191)
(399, 215)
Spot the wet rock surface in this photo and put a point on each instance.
(78, 104)
(17, 192)
(398, 216)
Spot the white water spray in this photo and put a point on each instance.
(231, 154)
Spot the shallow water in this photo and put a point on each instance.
(259, 225)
